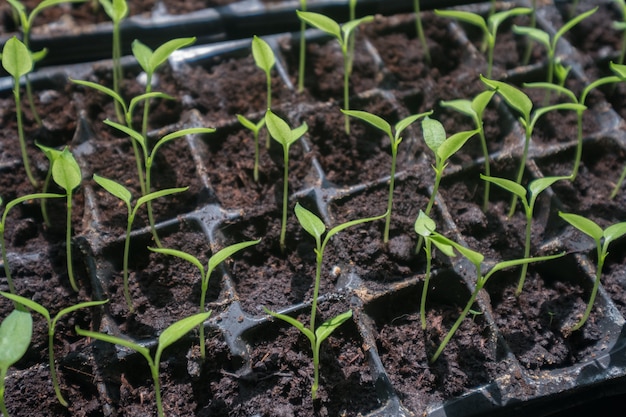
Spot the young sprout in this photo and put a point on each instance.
(488, 26)
(117, 10)
(532, 24)
(168, 337)
(18, 61)
(342, 33)
(475, 109)
(602, 238)
(521, 103)
(283, 134)
(264, 58)
(121, 192)
(150, 155)
(477, 260)
(51, 327)
(394, 136)
(52, 154)
(205, 274)
(550, 43)
(316, 228)
(535, 187)
(16, 331)
(3, 245)
(255, 128)
(621, 26)
(66, 173)
(420, 30)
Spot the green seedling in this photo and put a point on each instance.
(419, 30)
(264, 58)
(621, 26)
(52, 154)
(205, 274)
(51, 327)
(18, 61)
(150, 61)
(603, 239)
(352, 41)
(532, 24)
(549, 42)
(528, 199)
(66, 173)
(256, 129)
(481, 279)
(168, 337)
(117, 10)
(3, 246)
(16, 332)
(521, 103)
(394, 136)
(121, 192)
(149, 156)
(342, 33)
(302, 57)
(475, 109)
(281, 132)
(316, 228)
(488, 26)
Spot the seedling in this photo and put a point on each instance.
(342, 33)
(52, 154)
(621, 26)
(488, 26)
(3, 246)
(205, 274)
(16, 332)
(316, 228)
(550, 43)
(521, 103)
(169, 336)
(351, 43)
(51, 327)
(477, 260)
(285, 136)
(150, 155)
(117, 10)
(302, 58)
(603, 239)
(18, 61)
(394, 136)
(528, 199)
(475, 109)
(121, 192)
(264, 58)
(255, 128)
(419, 30)
(66, 173)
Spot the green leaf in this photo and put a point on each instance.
(142, 54)
(16, 58)
(618, 69)
(587, 226)
(117, 10)
(176, 331)
(127, 130)
(553, 87)
(321, 22)
(480, 102)
(510, 186)
(467, 17)
(27, 302)
(537, 186)
(496, 19)
(263, 54)
(434, 133)
(163, 52)
(515, 262)
(116, 189)
(348, 27)
(455, 142)
(102, 89)
(461, 105)
(114, 340)
(79, 306)
(295, 323)
(280, 130)
(65, 171)
(376, 121)
(329, 326)
(160, 193)
(180, 254)
(407, 121)
(188, 131)
(351, 223)
(573, 22)
(146, 96)
(250, 124)
(227, 252)
(310, 222)
(16, 331)
(535, 34)
(514, 97)
(614, 232)
(443, 246)
(424, 225)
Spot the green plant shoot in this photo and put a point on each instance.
(52, 154)
(264, 59)
(168, 337)
(51, 327)
(285, 136)
(117, 10)
(3, 246)
(528, 199)
(521, 103)
(16, 332)
(150, 155)
(475, 109)
(602, 239)
(17, 61)
(256, 129)
(621, 26)
(66, 173)
(121, 192)
(316, 228)
(394, 136)
(205, 274)
(302, 57)
(550, 43)
(342, 33)
(419, 30)
(352, 41)
(488, 26)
